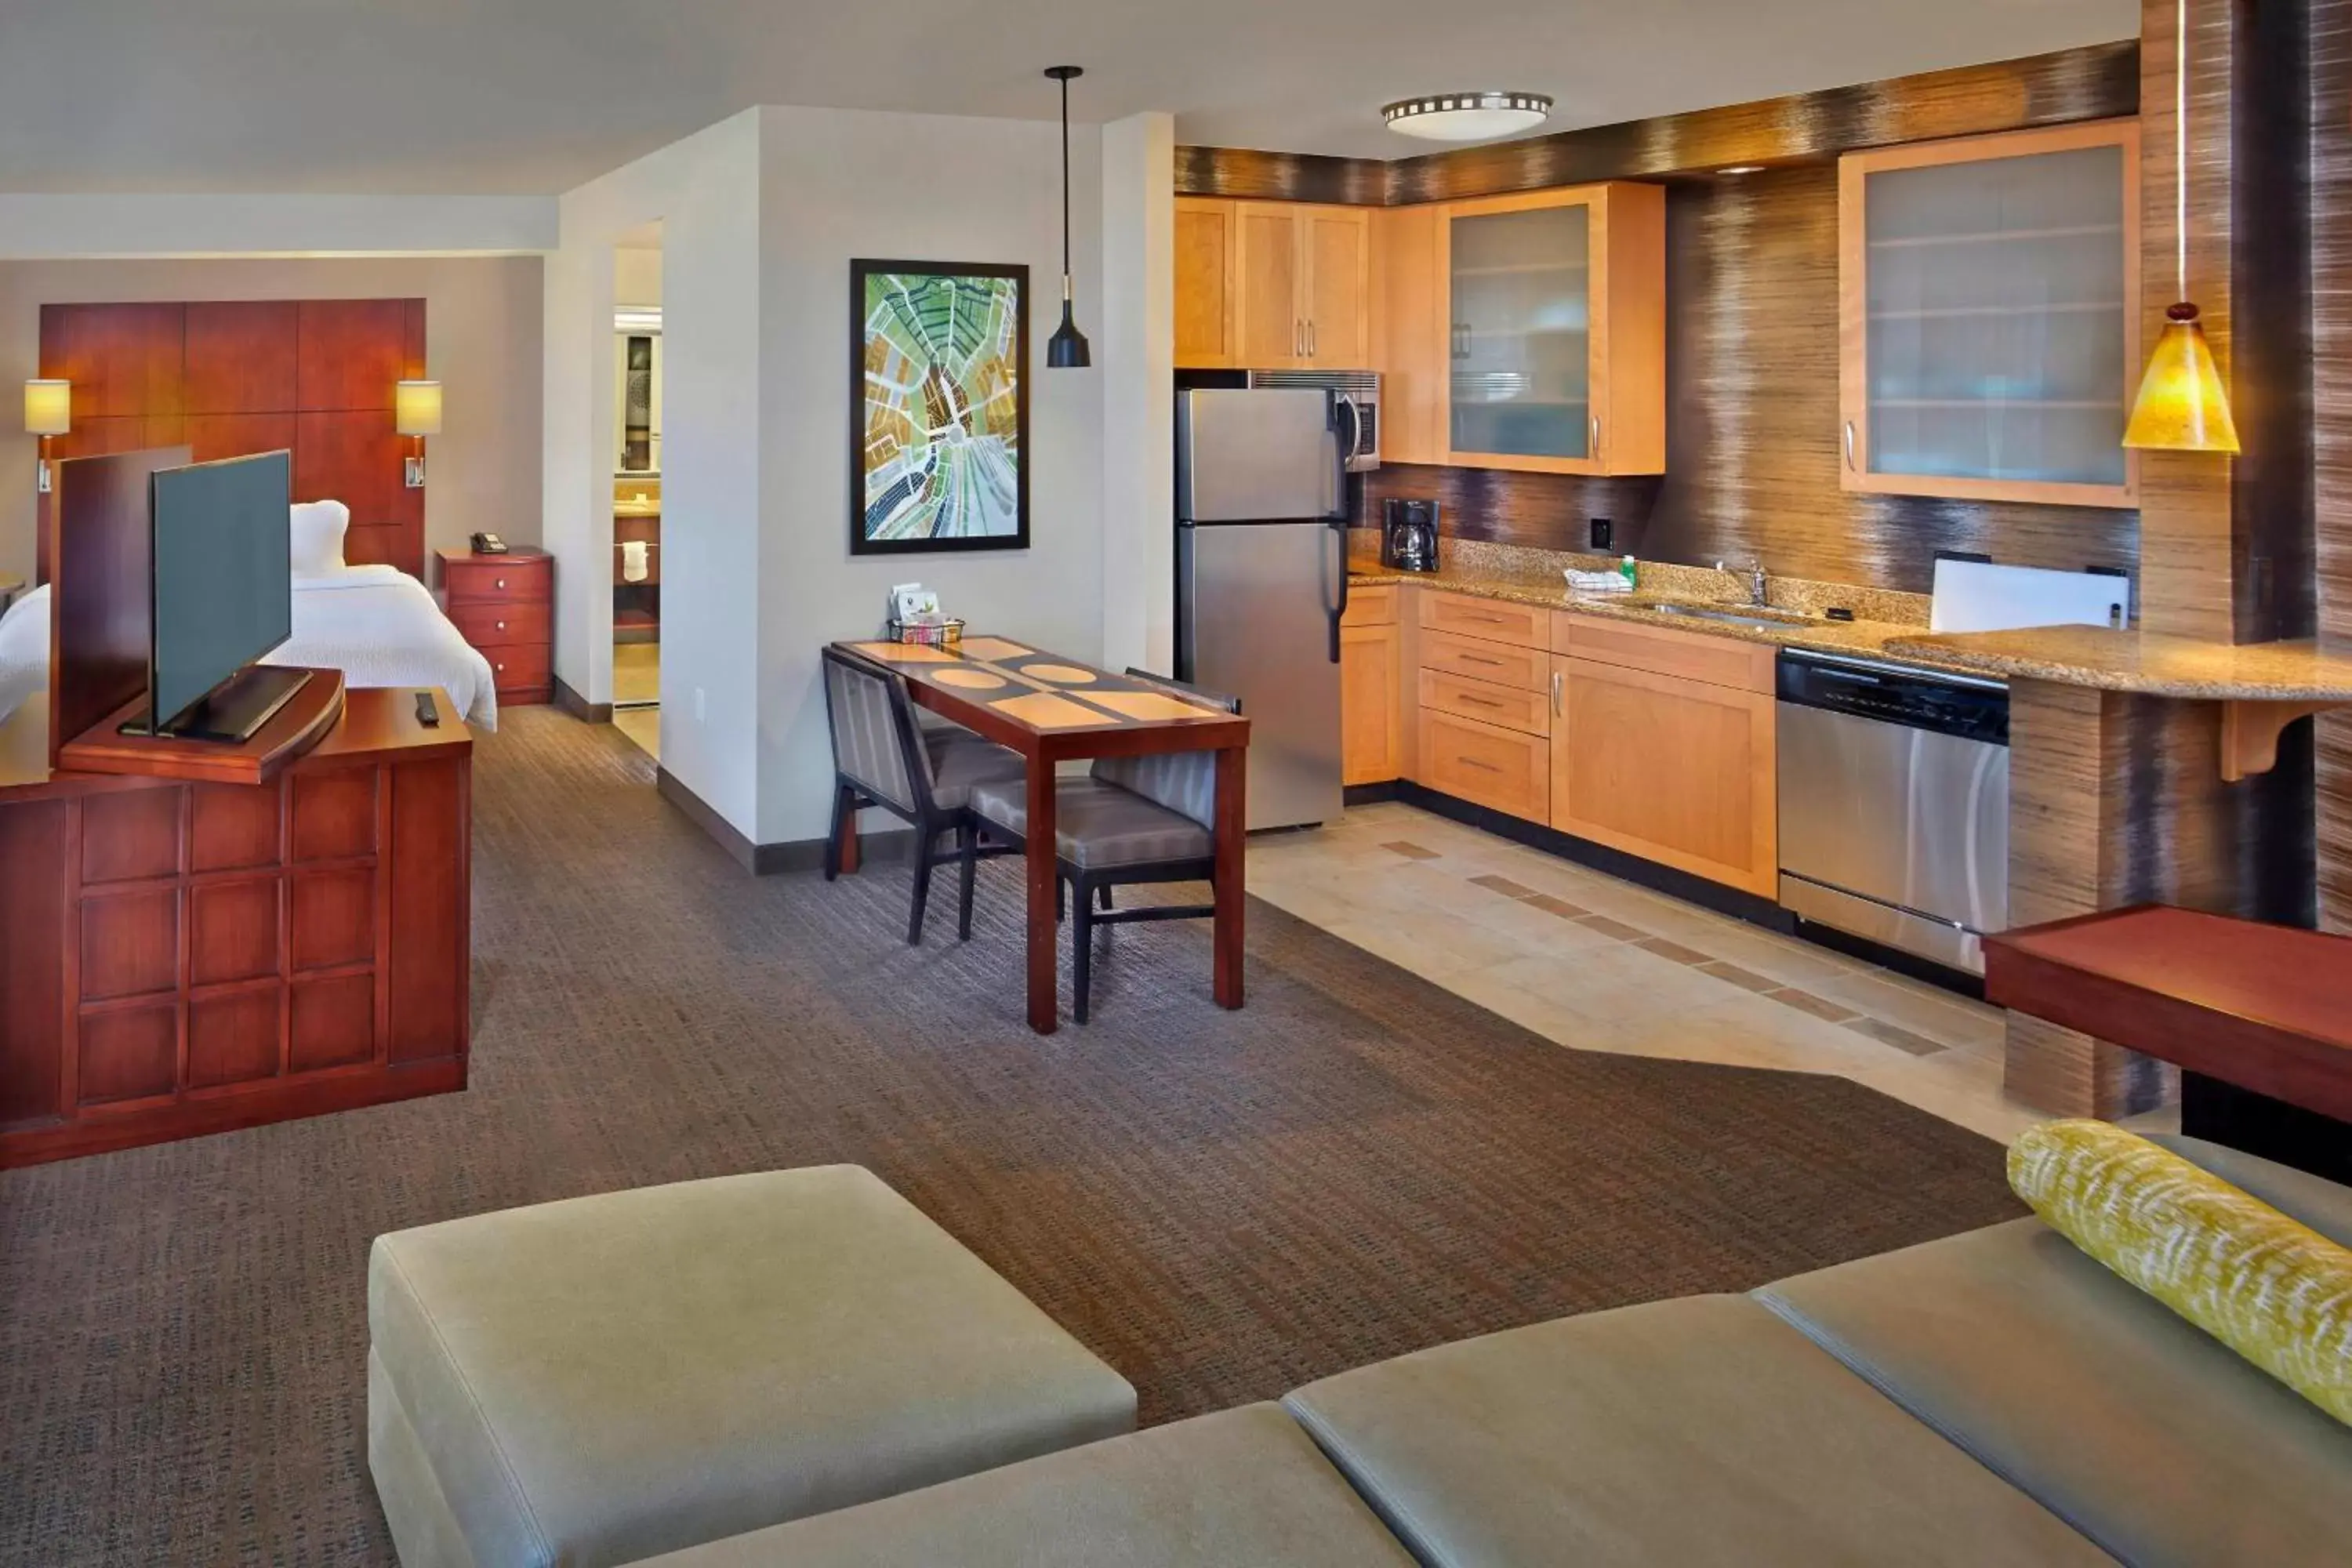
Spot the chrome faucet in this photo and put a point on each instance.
(1759, 584)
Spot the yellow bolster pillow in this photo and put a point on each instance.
(2278, 1293)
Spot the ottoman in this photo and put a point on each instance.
(601, 1379)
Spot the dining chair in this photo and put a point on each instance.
(883, 756)
(1132, 821)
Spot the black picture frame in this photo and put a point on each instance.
(862, 505)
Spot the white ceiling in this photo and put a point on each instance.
(533, 97)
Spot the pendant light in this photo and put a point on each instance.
(1067, 349)
(2182, 405)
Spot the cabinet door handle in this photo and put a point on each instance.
(1314, 339)
(1297, 338)
(1596, 438)
(1557, 681)
(1849, 447)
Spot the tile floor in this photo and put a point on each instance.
(1599, 964)
(637, 677)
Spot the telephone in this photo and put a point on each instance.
(488, 544)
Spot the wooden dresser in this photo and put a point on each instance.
(505, 605)
(180, 958)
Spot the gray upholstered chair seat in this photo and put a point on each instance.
(1097, 825)
(961, 760)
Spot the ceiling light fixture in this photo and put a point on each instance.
(1467, 116)
(1742, 169)
(2182, 405)
(1067, 349)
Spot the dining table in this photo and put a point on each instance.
(1052, 709)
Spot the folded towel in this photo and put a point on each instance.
(1598, 582)
(634, 564)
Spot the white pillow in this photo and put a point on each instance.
(318, 537)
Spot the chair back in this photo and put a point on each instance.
(1183, 782)
(874, 743)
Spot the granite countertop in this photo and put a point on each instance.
(2144, 662)
(1869, 639)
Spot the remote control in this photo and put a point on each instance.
(427, 713)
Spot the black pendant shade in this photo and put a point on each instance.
(1067, 349)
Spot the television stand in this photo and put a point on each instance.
(119, 743)
(234, 710)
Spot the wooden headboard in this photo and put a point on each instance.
(231, 378)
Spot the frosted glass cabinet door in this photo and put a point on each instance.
(1991, 316)
(1521, 290)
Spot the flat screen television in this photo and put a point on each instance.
(222, 596)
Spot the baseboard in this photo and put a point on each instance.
(1369, 793)
(891, 847)
(579, 708)
(1626, 867)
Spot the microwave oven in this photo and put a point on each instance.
(1358, 393)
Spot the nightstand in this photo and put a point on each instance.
(505, 606)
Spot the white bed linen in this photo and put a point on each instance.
(375, 624)
(23, 650)
(380, 627)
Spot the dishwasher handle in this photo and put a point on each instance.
(1906, 696)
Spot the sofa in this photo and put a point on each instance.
(1994, 1398)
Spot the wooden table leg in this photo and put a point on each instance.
(1232, 848)
(848, 843)
(1045, 984)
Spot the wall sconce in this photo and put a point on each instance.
(49, 410)
(416, 413)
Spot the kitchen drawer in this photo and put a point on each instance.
(1500, 769)
(1527, 668)
(495, 579)
(1373, 606)
(526, 668)
(488, 625)
(1497, 620)
(1510, 707)
(1666, 650)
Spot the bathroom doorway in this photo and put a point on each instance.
(636, 486)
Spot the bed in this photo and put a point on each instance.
(375, 624)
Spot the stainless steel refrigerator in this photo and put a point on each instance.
(1262, 580)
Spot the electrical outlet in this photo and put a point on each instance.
(698, 705)
(1604, 534)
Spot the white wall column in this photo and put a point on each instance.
(1136, 350)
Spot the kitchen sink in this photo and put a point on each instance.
(1734, 617)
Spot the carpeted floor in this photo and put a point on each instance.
(1223, 1206)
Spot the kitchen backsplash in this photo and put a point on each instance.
(1753, 419)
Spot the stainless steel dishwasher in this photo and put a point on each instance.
(1895, 803)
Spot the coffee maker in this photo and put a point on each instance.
(1409, 536)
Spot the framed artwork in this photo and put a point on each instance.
(938, 399)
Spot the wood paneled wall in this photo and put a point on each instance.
(2094, 83)
(2331, 255)
(1752, 422)
(313, 376)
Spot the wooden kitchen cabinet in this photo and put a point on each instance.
(1548, 352)
(1371, 704)
(1273, 284)
(1989, 316)
(1205, 238)
(1677, 770)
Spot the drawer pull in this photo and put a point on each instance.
(1474, 762)
(1480, 702)
(502, 626)
(1478, 658)
(502, 583)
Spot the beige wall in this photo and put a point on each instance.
(483, 328)
(636, 275)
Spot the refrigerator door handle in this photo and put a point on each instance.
(1338, 612)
